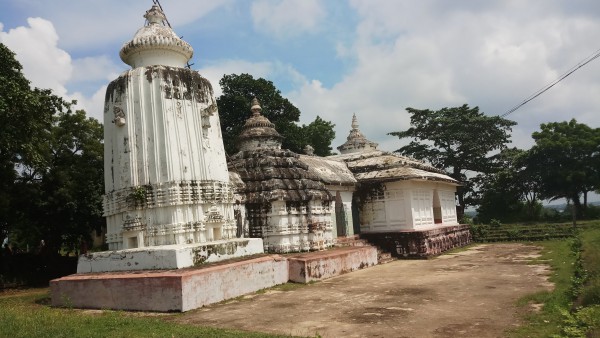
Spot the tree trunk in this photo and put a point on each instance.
(577, 205)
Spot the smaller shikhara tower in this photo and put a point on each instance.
(166, 178)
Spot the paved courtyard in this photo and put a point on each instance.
(467, 294)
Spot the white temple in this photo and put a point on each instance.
(166, 176)
(288, 200)
(167, 180)
(399, 193)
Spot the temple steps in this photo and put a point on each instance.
(355, 241)
(384, 257)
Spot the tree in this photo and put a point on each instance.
(319, 134)
(566, 158)
(51, 164)
(25, 114)
(234, 110)
(511, 191)
(457, 140)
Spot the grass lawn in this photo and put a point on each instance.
(548, 321)
(27, 314)
(572, 309)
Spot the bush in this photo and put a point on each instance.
(479, 232)
(592, 212)
(466, 220)
(590, 294)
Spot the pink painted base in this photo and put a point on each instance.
(313, 266)
(171, 290)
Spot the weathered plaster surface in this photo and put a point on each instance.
(166, 178)
(168, 256)
(178, 290)
(422, 243)
(327, 264)
(187, 289)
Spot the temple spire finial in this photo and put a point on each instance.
(255, 107)
(155, 15)
(356, 141)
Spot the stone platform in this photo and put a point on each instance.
(421, 243)
(168, 257)
(187, 289)
(170, 290)
(305, 268)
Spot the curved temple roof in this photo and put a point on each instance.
(369, 164)
(258, 130)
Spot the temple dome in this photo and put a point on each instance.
(258, 131)
(156, 44)
(356, 141)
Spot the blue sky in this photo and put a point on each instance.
(335, 58)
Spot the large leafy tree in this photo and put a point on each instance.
(319, 134)
(51, 162)
(566, 158)
(234, 110)
(457, 140)
(511, 191)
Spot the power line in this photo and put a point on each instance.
(572, 70)
(156, 2)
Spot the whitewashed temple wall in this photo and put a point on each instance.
(165, 171)
(409, 205)
(297, 226)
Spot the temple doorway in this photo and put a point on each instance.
(437, 208)
(340, 216)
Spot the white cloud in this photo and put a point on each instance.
(283, 18)
(430, 56)
(266, 69)
(98, 23)
(36, 47)
(49, 67)
(215, 71)
(94, 105)
(95, 68)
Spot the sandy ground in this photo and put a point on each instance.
(466, 294)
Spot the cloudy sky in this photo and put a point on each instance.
(334, 58)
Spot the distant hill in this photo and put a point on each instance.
(557, 207)
(562, 206)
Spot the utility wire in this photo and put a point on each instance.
(582, 63)
(156, 2)
(161, 9)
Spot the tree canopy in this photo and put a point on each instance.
(511, 191)
(51, 162)
(566, 158)
(456, 140)
(234, 110)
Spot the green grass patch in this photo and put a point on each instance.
(27, 314)
(521, 232)
(572, 309)
(547, 322)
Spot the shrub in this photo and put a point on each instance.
(478, 232)
(495, 223)
(590, 294)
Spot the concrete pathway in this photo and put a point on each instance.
(467, 294)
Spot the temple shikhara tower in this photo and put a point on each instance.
(166, 176)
